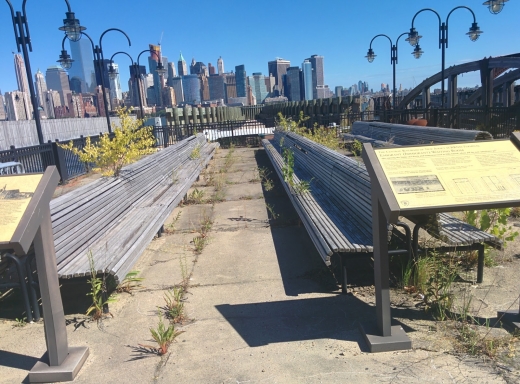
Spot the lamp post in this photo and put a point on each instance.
(23, 40)
(413, 38)
(137, 76)
(495, 6)
(393, 58)
(97, 51)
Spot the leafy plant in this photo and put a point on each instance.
(130, 282)
(195, 153)
(288, 174)
(174, 304)
(163, 336)
(199, 242)
(270, 209)
(356, 148)
(319, 134)
(20, 323)
(196, 197)
(268, 184)
(171, 227)
(98, 292)
(493, 221)
(130, 142)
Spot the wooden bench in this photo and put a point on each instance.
(400, 134)
(337, 211)
(115, 218)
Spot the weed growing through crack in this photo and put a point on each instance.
(272, 213)
(98, 292)
(195, 153)
(130, 283)
(170, 228)
(174, 304)
(163, 336)
(20, 323)
(196, 197)
(230, 158)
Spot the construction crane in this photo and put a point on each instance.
(162, 33)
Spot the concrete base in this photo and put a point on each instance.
(67, 371)
(511, 318)
(397, 342)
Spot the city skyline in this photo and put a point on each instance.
(344, 48)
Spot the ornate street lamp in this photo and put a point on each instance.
(393, 59)
(414, 37)
(97, 51)
(112, 73)
(495, 6)
(23, 41)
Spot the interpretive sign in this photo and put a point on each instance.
(452, 174)
(429, 179)
(15, 194)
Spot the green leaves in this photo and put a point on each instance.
(493, 221)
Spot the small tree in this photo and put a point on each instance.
(131, 141)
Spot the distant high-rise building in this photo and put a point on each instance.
(211, 69)
(307, 80)
(182, 67)
(168, 97)
(165, 63)
(3, 114)
(135, 86)
(217, 87)
(278, 68)
(191, 89)
(251, 99)
(58, 80)
(318, 79)
(270, 84)
(361, 87)
(294, 80)
(257, 83)
(338, 90)
(41, 87)
(176, 83)
(106, 79)
(21, 79)
(171, 73)
(231, 86)
(16, 106)
(241, 80)
(220, 66)
(153, 61)
(204, 87)
(76, 108)
(115, 85)
(198, 68)
(52, 99)
(83, 64)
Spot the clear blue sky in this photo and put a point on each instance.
(252, 33)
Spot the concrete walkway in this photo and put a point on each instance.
(262, 307)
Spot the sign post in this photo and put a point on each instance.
(419, 180)
(25, 212)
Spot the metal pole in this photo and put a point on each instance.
(18, 21)
(138, 83)
(101, 74)
(443, 43)
(394, 56)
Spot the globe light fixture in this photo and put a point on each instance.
(413, 37)
(65, 60)
(417, 52)
(474, 32)
(72, 27)
(495, 6)
(370, 55)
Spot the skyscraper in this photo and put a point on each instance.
(231, 86)
(220, 65)
(153, 61)
(257, 83)
(21, 79)
(16, 106)
(171, 73)
(83, 65)
(191, 89)
(293, 79)
(211, 69)
(176, 83)
(115, 85)
(307, 79)
(165, 63)
(317, 74)
(58, 80)
(3, 114)
(181, 66)
(198, 68)
(241, 80)
(278, 68)
(41, 87)
(217, 87)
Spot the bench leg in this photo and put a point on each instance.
(480, 264)
(343, 267)
(160, 231)
(23, 285)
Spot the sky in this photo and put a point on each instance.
(253, 33)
